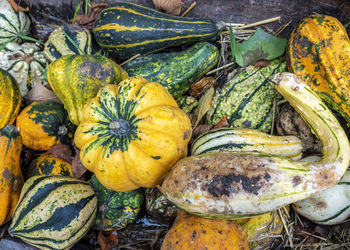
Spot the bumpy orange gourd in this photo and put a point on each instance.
(319, 53)
(194, 232)
(131, 134)
(11, 179)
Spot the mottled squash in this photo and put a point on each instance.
(131, 134)
(319, 53)
(44, 124)
(11, 179)
(194, 232)
(10, 98)
(75, 79)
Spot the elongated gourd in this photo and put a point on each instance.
(247, 140)
(237, 184)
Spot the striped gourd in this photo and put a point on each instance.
(126, 29)
(241, 184)
(247, 99)
(13, 24)
(48, 164)
(54, 211)
(247, 140)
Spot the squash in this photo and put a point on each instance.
(43, 125)
(25, 62)
(127, 29)
(246, 140)
(176, 71)
(319, 53)
(48, 164)
(75, 79)
(10, 98)
(11, 179)
(193, 232)
(158, 206)
(132, 134)
(187, 103)
(241, 184)
(54, 212)
(60, 42)
(13, 24)
(246, 100)
(115, 209)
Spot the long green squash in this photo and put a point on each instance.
(126, 29)
(236, 184)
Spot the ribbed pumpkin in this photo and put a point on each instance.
(319, 53)
(44, 124)
(13, 23)
(194, 232)
(75, 79)
(25, 62)
(48, 164)
(132, 134)
(10, 98)
(53, 212)
(11, 179)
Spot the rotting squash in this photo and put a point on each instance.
(247, 140)
(237, 184)
(131, 134)
(11, 179)
(319, 53)
(127, 29)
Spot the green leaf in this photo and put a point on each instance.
(261, 45)
(235, 50)
(76, 12)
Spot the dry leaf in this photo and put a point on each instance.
(89, 19)
(200, 129)
(172, 7)
(27, 156)
(17, 7)
(39, 93)
(107, 240)
(62, 151)
(203, 105)
(223, 123)
(78, 168)
(203, 84)
(262, 63)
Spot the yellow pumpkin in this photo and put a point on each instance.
(131, 134)
(11, 179)
(197, 233)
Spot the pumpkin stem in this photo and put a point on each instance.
(62, 130)
(119, 127)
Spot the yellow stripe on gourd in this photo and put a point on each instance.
(119, 28)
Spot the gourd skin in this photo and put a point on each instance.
(48, 164)
(75, 79)
(10, 98)
(11, 179)
(132, 134)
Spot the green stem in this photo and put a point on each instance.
(76, 12)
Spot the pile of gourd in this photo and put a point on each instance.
(132, 126)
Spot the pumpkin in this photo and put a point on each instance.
(131, 134)
(25, 62)
(13, 24)
(11, 179)
(319, 53)
(75, 79)
(44, 124)
(10, 98)
(194, 232)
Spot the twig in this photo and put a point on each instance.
(189, 8)
(130, 59)
(273, 113)
(280, 29)
(270, 20)
(285, 228)
(220, 68)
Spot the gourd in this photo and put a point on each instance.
(25, 62)
(158, 206)
(176, 71)
(194, 232)
(131, 134)
(240, 184)
(247, 99)
(115, 209)
(76, 78)
(10, 98)
(127, 29)
(319, 53)
(43, 125)
(247, 140)
(69, 39)
(187, 103)
(53, 212)
(11, 179)
(48, 164)
(13, 24)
